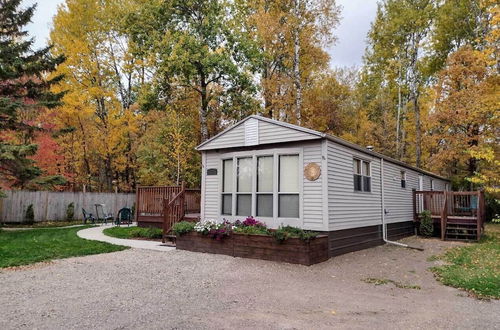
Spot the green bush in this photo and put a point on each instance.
(283, 233)
(146, 232)
(70, 212)
(183, 227)
(29, 216)
(426, 224)
(251, 230)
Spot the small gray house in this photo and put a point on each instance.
(284, 174)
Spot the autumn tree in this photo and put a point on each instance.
(393, 62)
(198, 45)
(24, 93)
(466, 128)
(291, 36)
(97, 121)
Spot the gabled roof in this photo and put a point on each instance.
(289, 133)
(237, 140)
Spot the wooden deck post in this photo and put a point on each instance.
(444, 214)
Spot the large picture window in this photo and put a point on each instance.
(362, 175)
(262, 185)
(288, 192)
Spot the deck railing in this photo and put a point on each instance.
(451, 207)
(150, 199)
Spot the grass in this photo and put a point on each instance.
(30, 246)
(474, 268)
(44, 224)
(134, 232)
(383, 281)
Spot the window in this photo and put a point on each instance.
(361, 175)
(261, 185)
(432, 184)
(288, 187)
(227, 186)
(403, 179)
(264, 193)
(244, 187)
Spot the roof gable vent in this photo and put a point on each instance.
(251, 132)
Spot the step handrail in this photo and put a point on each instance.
(173, 211)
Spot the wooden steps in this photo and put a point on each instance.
(456, 231)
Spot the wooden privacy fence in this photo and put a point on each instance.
(49, 205)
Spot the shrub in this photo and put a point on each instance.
(183, 227)
(250, 221)
(426, 224)
(29, 216)
(283, 233)
(70, 212)
(146, 232)
(251, 230)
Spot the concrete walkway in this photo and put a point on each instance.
(96, 234)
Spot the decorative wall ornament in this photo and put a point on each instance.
(312, 171)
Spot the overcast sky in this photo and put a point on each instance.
(356, 18)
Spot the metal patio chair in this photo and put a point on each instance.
(87, 217)
(102, 215)
(124, 216)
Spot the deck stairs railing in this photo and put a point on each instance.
(460, 214)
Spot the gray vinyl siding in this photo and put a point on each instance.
(271, 133)
(313, 201)
(398, 202)
(347, 208)
(313, 198)
(232, 138)
(210, 198)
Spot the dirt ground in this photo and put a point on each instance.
(141, 289)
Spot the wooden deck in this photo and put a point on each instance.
(459, 214)
(150, 204)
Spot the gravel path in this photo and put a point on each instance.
(144, 289)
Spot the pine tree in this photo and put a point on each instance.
(24, 91)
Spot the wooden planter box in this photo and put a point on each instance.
(196, 242)
(292, 250)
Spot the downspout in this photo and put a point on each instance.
(384, 225)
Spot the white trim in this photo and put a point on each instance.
(203, 183)
(324, 182)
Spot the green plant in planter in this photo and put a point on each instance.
(283, 233)
(426, 224)
(183, 227)
(70, 212)
(29, 216)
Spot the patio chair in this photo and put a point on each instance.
(124, 216)
(102, 215)
(87, 216)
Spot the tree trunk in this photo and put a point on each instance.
(418, 132)
(296, 64)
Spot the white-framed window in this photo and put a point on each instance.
(361, 175)
(432, 184)
(403, 179)
(288, 186)
(264, 190)
(227, 187)
(265, 184)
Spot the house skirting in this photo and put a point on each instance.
(355, 239)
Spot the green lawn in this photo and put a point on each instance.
(29, 246)
(45, 224)
(475, 268)
(134, 232)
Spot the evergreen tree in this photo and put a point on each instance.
(24, 91)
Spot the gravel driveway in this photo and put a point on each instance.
(141, 289)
